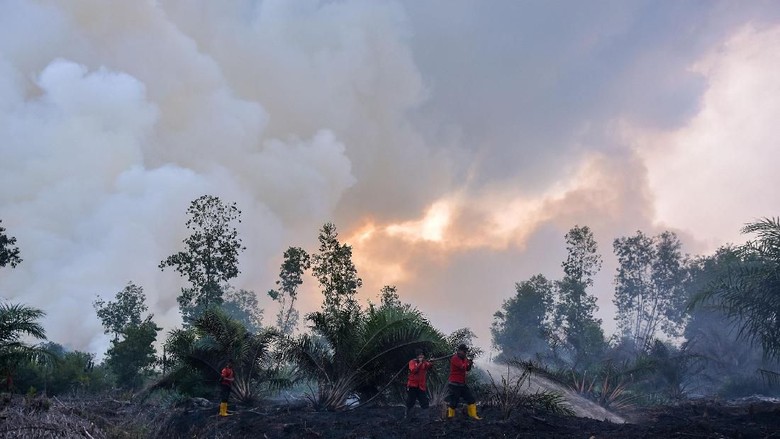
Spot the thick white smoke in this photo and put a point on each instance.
(116, 114)
(453, 144)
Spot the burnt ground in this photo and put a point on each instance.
(106, 418)
(689, 420)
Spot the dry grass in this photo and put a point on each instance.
(86, 417)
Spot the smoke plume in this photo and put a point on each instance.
(453, 144)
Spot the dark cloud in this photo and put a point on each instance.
(529, 82)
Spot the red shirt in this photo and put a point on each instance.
(458, 368)
(417, 374)
(227, 376)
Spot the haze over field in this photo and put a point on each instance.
(453, 144)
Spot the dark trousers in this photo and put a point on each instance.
(458, 391)
(414, 394)
(224, 392)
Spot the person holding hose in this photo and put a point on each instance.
(415, 385)
(460, 363)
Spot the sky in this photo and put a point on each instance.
(453, 143)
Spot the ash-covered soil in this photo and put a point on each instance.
(196, 418)
(689, 420)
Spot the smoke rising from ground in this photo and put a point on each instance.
(452, 144)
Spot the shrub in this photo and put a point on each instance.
(511, 394)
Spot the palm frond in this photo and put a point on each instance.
(17, 321)
(215, 338)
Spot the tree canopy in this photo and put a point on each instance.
(132, 354)
(520, 328)
(211, 255)
(575, 307)
(9, 252)
(296, 262)
(17, 324)
(124, 311)
(650, 293)
(749, 290)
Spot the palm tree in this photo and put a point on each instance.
(198, 354)
(17, 322)
(749, 292)
(355, 357)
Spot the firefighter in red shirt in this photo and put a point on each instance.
(225, 383)
(415, 385)
(456, 385)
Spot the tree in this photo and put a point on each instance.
(389, 298)
(296, 262)
(730, 367)
(131, 359)
(351, 351)
(520, 327)
(666, 370)
(125, 311)
(364, 359)
(749, 291)
(211, 255)
(242, 305)
(9, 253)
(63, 372)
(729, 364)
(650, 291)
(17, 323)
(575, 307)
(198, 354)
(337, 277)
(132, 354)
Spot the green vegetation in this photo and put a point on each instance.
(9, 253)
(132, 354)
(17, 323)
(296, 262)
(749, 293)
(353, 351)
(195, 356)
(522, 327)
(689, 325)
(650, 291)
(510, 393)
(578, 335)
(684, 322)
(211, 255)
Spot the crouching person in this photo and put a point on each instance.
(456, 384)
(415, 386)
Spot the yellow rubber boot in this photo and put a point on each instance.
(472, 410)
(223, 409)
(450, 412)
